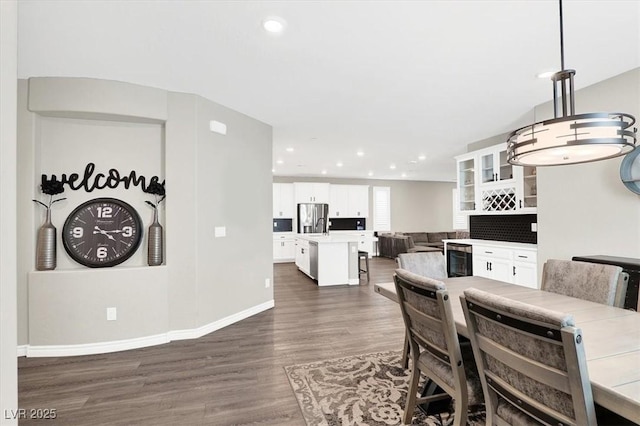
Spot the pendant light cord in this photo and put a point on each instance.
(561, 40)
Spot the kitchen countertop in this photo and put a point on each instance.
(331, 238)
(493, 243)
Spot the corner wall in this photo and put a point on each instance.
(212, 180)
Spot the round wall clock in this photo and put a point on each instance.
(630, 171)
(102, 232)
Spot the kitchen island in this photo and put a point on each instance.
(328, 259)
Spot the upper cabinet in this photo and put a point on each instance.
(359, 200)
(311, 192)
(466, 183)
(494, 165)
(487, 183)
(283, 203)
(348, 201)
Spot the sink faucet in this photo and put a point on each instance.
(325, 229)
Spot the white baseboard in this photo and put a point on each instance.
(140, 342)
(96, 348)
(217, 325)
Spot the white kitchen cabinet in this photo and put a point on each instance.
(525, 268)
(339, 201)
(303, 259)
(311, 192)
(460, 219)
(359, 201)
(491, 262)
(527, 189)
(487, 183)
(504, 263)
(348, 201)
(283, 202)
(466, 166)
(494, 166)
(284, 248)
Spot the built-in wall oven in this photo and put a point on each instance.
(459, 260)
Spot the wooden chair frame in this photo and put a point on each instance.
(574, 381)
(452, 356)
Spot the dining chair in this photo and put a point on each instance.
(435, 349)
(599, 283)
(531, 362)
(427, 264)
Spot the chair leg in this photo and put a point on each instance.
(460, 414)
(366, 261)
(405, 352)
(410, 406)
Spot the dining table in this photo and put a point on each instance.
(611, 336)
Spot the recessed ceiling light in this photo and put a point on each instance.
(339, 164)
(404, 175)
(290, 149)
(274, 24)
(422, 157)
(392, 167)
(273, 170)
(413, 161)
(370, 173)
(360, 154)
(324, 172)
(279, 162)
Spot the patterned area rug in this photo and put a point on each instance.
(359, 390)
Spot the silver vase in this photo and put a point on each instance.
(46, 245)
(155, 241)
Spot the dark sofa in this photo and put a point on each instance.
(392, 244)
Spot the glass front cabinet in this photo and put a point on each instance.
(487, 183)
(467, 183)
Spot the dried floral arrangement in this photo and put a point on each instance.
(157, 190)
(51, 187)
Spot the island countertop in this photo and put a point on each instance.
(330, 238)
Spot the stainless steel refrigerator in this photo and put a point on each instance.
(313, 218)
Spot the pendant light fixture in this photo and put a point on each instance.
(569, 138)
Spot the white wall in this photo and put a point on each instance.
(8, 339)
(584, 209)
(415, 205)
(212, 180)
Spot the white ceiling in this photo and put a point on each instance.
(395, 79)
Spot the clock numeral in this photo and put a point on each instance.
(127, 231)
(104, 212)
(101, 252)
(77, 232)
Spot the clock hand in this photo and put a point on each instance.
(105, 233)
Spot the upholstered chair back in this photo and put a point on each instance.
(531, 362)
(426, 264)
(435, 349)
(605, 284)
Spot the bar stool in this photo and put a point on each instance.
(363, 255)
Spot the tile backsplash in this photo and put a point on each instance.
(517, 228)
(282, 225)
(348, 224)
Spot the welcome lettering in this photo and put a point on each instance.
(100, 181)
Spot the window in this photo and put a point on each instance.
(381, 208)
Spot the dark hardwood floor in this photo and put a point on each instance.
(233, 376)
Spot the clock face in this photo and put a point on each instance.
(102, 232)
(630, 171)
